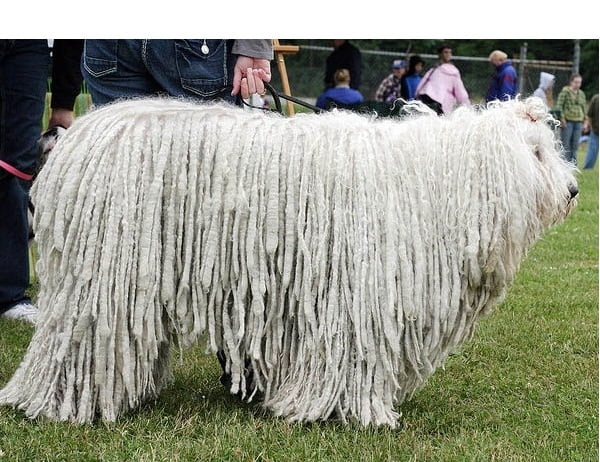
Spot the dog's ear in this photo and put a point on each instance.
(534, 110)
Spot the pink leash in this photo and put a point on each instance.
(18, 173)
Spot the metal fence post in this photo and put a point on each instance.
(522, 58)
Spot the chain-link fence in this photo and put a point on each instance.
(306, 71)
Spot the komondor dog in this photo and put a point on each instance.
(340, 257)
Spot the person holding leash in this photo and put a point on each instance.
(202, 69)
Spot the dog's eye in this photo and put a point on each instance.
(538, 153)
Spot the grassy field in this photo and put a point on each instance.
(524, 389)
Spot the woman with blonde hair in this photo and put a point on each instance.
(503, 83)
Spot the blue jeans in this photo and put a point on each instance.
(592, 150)
(23, 83)
(201, 69)
(570, 139)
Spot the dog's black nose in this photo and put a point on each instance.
(573, 190)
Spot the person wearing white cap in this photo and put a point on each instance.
(389, 88)
(544, 90)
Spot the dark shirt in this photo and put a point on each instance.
(592, 113)
(66, 73)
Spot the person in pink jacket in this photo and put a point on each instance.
(442, 88)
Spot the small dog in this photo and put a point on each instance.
(46, 144)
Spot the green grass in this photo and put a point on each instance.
(524, 389)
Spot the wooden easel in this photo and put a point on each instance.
(280, 51)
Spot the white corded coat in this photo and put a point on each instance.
(346, 257)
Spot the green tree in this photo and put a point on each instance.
(589, 66)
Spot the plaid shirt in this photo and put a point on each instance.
(571, 105)
(389, 89)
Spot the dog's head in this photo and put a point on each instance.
(526, 131)
(560, 184)
(46, 144)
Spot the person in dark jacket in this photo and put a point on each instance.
(24, 69)
(66, 80)
(344, 56)
(503, 84)
(592, 123)
(410, 81)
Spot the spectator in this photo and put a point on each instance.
(341, 93)
(442, 88)
(503, 84)
(592, 121)
(572, 106)
(199, 69)
(389, 88)
(410, 81)
(24, 66)
(344, 56)
(544, 90)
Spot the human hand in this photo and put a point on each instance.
(60, 117)
(250, 75)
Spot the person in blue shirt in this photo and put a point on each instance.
(503, 84)
(341, 93)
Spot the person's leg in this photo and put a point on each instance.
(14, 231)
(23, 83)
(115, 69)
(574, 141)
(570, 141)
(566, 134)
(592, 151)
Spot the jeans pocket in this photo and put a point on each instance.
(100, 57)
(202, 66)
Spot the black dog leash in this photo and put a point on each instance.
(277, 100)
